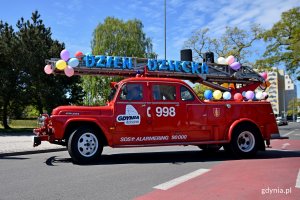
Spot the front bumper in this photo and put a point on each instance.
(44, 132)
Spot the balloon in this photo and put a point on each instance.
(249, 95)
(259, 95)
(265, 94)
(61, 64)
(225, 85)
(238, 97)
(217, 94)
(73, 62)
(48, 69)
(265, 84)
(226, 95)
(69, 71)
(222, 60)
(208, 94)
(244, 94)
(230, 60)
(264, 75)
(65, 55)
(231, 86)
(235, 66)
(79, 55)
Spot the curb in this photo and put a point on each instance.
(32, 152)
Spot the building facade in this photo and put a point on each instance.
(281, 91)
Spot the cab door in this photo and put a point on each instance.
(130, 114)
(196, 127)
(166, 112)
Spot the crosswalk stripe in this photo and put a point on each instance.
(181, 179)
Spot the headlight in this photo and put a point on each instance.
(41, 120)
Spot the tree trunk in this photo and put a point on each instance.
(4, 116)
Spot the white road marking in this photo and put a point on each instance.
(298, 180)
(284, 150)
(288, 133)
(181, 179)
(285, 145)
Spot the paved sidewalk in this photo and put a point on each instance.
(21, 143)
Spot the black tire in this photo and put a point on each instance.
(84, 145)
(244, 142)
(210, 148)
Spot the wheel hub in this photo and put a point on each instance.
(87, 144)
(246, 141)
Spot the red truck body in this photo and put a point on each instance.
(166, 112)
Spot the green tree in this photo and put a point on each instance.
(293, 106)
(200, 89)
(11, 88)
(44, 91)
(115, 37)
(234, 42)
(283, 42)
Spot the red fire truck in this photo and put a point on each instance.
(156, 108)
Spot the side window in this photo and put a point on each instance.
(132, 92)
(186, 94)
(162, 92)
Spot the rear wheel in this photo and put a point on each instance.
(84, 145)
(244, 142)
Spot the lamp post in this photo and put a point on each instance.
(165, 11)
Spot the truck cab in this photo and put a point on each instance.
(145, 111)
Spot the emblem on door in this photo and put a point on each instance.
(217, 112)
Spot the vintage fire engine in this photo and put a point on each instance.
(156, 108)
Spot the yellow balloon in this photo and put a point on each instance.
(217, 94)
(61, 64)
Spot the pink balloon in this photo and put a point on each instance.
(238, 97)
(69, 71)
(264, 94)
(230, 60)
(48, 69)
(264, 75)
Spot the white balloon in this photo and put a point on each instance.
(259, 95)
(222, 60)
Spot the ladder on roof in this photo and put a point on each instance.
(215, 75)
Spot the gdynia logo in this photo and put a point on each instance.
(131, 116)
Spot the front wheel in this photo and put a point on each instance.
(84, 145)
(244, 142)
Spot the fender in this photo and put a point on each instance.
(236, 122)
(93, 120)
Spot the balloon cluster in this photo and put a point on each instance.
(249, 95)
(66, 63)
(230, 60)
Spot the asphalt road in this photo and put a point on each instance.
(134, 173)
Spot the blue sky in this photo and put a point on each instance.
(73, 21)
